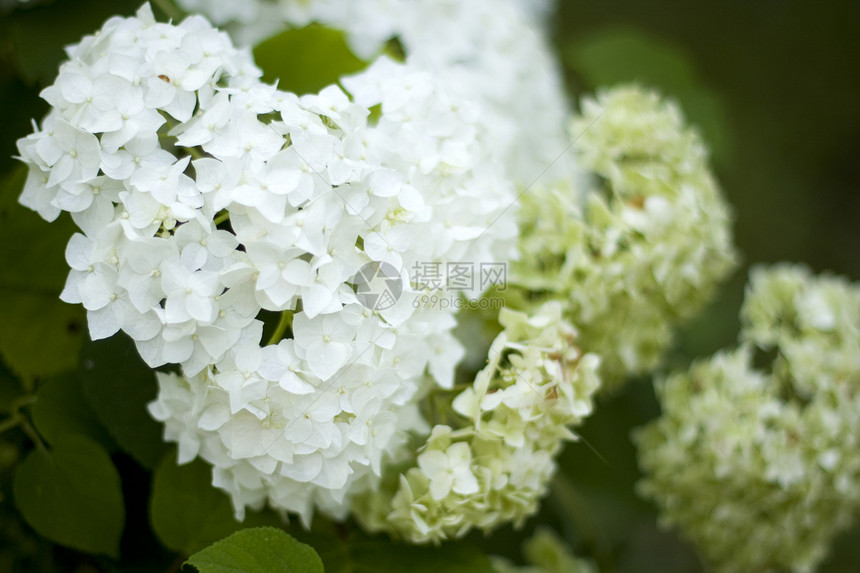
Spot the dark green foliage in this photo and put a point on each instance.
(118, 385)
(71, 494)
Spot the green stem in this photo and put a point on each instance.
(169, 8)
(10, 423)
(285, 322)
(32, 434)
(223, 216)
(22, 401)
(573, 508)
(17, 419)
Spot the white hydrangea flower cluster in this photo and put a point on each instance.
(645, 247)
(493, 52)
(761, 469)
(495, 465)
(206, 197)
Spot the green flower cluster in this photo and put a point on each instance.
(761, 469)
(514, 418)
(644, 248)
(545, 552)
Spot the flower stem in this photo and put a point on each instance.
(573, 510)
(32, 434)
(285, 322)
(9, 423)
(17, 419)
(222, 216)
(169, 9)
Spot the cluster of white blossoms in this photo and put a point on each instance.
(761, 468)
(491, 52)
(206, 198)
(495, 464)
(646, 245)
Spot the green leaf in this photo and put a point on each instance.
(257, 550)
(305, 60)
(39, 334)
(72, 495)
(188, 512)
(118, 386)
(62, 409)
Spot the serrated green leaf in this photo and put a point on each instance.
(72, 495)
(39, 334)
(188, 513)
(257, 550)
(118, 385)
(305, 60)
(62, 409)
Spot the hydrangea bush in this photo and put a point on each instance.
(262, 249)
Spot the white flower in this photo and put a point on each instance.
(324, 342)
(190, 294)
(72, 153)
(449, 470)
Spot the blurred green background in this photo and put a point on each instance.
(775, 89)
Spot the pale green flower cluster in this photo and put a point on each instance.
(513, 420)
(761, 469)
(645, 247)
(545, 552)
